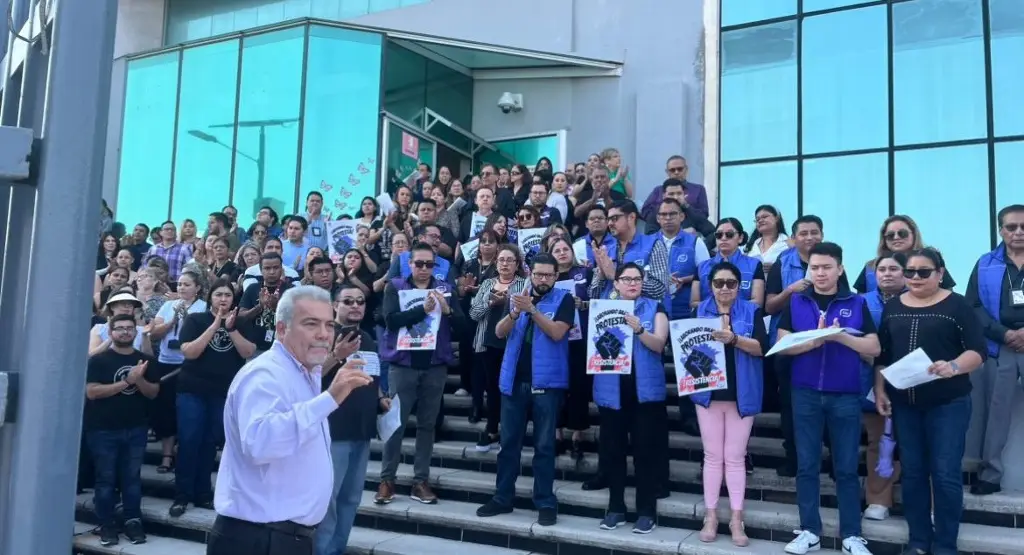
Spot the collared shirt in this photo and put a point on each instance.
(276, 465)
(293, 255)
(316, 233)
(253, 273)
(655, 274)
(176, 255)
(772, 254)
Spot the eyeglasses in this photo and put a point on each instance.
(668, 215)
(487, 242)
(923, 273)
(322, 272)
(631, 280)
(429, 264)
(350, 302)
(544, 275)
(123, 330)
(724, 283)
(725, 235)
(1012, 228)
(507, 260)
(616, 217)
(901, 233)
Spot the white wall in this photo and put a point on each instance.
(140, 26)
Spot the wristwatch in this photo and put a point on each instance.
(955, 367)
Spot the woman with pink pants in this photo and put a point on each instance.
(726, 415)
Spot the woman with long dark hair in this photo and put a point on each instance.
(106, 251)
(769, 238)
(899, 233)
(520, 181)
(474, 272)
(729, 235)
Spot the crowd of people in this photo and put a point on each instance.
(178, 315)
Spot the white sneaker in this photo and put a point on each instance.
(856, 545)
(876, 512)
(461, 393)
(804, 543)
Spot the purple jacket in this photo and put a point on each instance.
(696, 197)
(832, 368)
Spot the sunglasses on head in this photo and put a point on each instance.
(899, 233)
(725, 234)
(424, 264)
(350, 302)
(923, 273)
(724, 283)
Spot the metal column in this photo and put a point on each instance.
(45, 290)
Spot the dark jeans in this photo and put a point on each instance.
(931, 442)
(493, 362)
(642, 426)
(841, 412)
(784, 378)
(118, 454)
(350, 459)
(200, 430)
(515, 408)
(237, 537)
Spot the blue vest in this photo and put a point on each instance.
(648, 369)
(991, 274)
(749, 373)
(550, 357)
(682, 262)
(792, 271)
(607, 242)
(870, 280)
(747, 266)
(441, 267)
(638, 251)
(442, 355)
(833, 367)
(876, 305)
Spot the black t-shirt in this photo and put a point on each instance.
(628, 398)
(126, 409)
(356, 418)
(861, 284)
(761, 336)
(212, 372)
(264, 321)
(867, 326)
(773, 284)
(588, 193)
(524, 366)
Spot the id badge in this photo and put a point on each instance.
(536, 391)
(317, 232)
(269, 338)
(1017, 297)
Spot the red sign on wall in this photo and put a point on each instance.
(410, 145)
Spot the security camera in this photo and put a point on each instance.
(509, 102)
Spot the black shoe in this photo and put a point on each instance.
(487, 442)
(596, 483)
(475, 416)
(178, 508)
(561, 447)
(547, 517)
(133, 530)
(786, 470)
(108, 536)
(750, 465)
(491, 508)
(985, 488)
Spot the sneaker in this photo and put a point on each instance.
(856, 545)
(133, 531)
(491, 508)
(461, 392)
(612, 521)
(876, 512)
(487, 442)
(547, 517)
(178, 508)
(108, 536)
(985, 488)
(644, 525)
(421, 492)
(385, 493)
(804, 543)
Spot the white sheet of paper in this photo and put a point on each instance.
(579, 249)
(910, 371)
(371, 361)
(529, 238)
(575, 332)
(799, 338)
(476, 224)
(425, 338)
(387, 206)
(388, 422)
(469, 249)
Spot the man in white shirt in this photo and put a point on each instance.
(276, 476)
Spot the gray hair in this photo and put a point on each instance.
(286, 306)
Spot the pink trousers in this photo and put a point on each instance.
(724, 435)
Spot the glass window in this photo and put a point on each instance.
(450, 93)
(527, 151)
(818, 5)
(845, 80)
(206, 119)
(1007, 22)
(746, 187)
(1009, 168)
(147, 140)
(268, 128)
(918, 172)
(759, 92)
(405, 78)
(401, 165)
(938, 71)
(736, 12)
(342, 116)
(850, 219)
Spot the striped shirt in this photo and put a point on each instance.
(176, 255)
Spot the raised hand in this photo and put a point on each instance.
(346, 346)
(137, 372)
(429, 303)
(348, 378)
(230, 317)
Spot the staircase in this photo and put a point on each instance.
(464, 478)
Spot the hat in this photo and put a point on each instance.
(122, 297)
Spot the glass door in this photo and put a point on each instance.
(403, 149)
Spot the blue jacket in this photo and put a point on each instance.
(833, 367)
(647, 365)
(441, 267)
(749, 374)
(682, 262)
(747, 266)
(876, 305)
(608, 242)
(638, 251)
(550, 357)
(443, 353)
(991, 274)
(792, 270)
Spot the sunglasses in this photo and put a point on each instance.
(350, 302)
(487, 242)
(923, 273)
(1012, 228)
(725, 283)
(525, 217)
(429, 264)
(260, 232)
(725, 235)
(677, 169)
(901, 233)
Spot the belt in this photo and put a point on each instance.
(285, 527)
